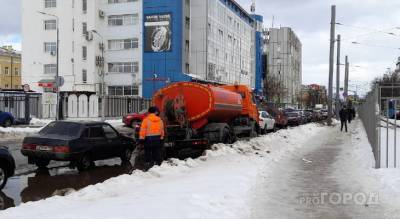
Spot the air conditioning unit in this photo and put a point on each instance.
(89, 36)
(53, 53)
(102, 14)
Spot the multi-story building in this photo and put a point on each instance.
(284, 54)
(87, 30)
(147, 44)
(10, 68)
(212, 41)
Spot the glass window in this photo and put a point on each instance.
(6, 71)
(50, 3)
(84, 52)
(123, 67)
(84, 6)
(84, 76)
(62, 128)
(119, 20)
(123, 44)
(84, 28)
(109, 132)
(50, 24)
(50, 68)
(96, 132)
(50, 47)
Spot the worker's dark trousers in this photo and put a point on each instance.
(152, 150)
(343, 123)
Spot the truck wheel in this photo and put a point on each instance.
(7, 123)
(40, 163)
(227, 137)
(253, 132)
(85, 163)
(3, 177)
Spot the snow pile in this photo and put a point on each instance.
(40, 122)
(217, 185)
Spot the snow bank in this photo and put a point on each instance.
(217, 185)
(356, 169)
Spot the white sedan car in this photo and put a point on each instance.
(267, 123)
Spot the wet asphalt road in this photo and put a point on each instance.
(31, 184)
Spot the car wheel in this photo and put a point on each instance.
(275, 128)
(7, 123)
(227, 137)
(85, 163)
(3, 177)
(264, 130)
(42, 163)
(126, 155)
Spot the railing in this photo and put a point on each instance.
(379, 114)
(20, 103)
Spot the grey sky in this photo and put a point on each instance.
(310, 20)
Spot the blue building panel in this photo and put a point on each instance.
(163, 60)
(260, 74)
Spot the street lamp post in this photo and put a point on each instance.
(102, 75)
(57, 77)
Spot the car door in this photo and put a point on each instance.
(114, 144)
(97, 141)
(270, 121)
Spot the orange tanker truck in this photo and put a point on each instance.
(197, 115)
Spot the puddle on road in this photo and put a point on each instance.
(46, 183)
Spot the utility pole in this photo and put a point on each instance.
(331, 54)
(346, 77)
(337, 105)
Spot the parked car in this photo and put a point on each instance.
(81, 143)
(7, 166)
(279, 116)
(6, 119)
(294, 118)
(267, 123)
(134, 119)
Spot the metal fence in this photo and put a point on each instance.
(16, 104)
(117, 106)
(369, 113)
(379, 114)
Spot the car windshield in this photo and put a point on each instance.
(62, 128)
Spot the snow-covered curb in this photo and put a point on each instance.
(217, 185)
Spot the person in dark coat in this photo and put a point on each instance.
(349, 114)
(343, 114)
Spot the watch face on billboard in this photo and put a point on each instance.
(158, 33)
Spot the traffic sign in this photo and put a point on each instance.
(60, 81)
(26, 87)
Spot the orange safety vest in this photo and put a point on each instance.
(152, 125)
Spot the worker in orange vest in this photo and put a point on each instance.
(152, 137)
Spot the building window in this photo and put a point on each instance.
(50, 68)
(50, 3)
(187, 66)
(123, 67)
(123, 90)
(6, 71)
(50, 47)
(6, 85)
(16, 71)
(187, 46)
(84, 52)
(187, 23)
(50, 24)
(120, 20)
(84, 28)
(123, 44)
(84, 76)
(84, 6)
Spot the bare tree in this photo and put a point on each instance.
(274, 88)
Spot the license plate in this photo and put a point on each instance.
(43, 148)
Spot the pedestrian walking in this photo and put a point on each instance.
(152, 137)
(343, 114)
(349, 114)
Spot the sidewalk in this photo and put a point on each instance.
(332, 177)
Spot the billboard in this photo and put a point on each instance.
(158, 33)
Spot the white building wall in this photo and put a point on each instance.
(72, 40)
(222, 44)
